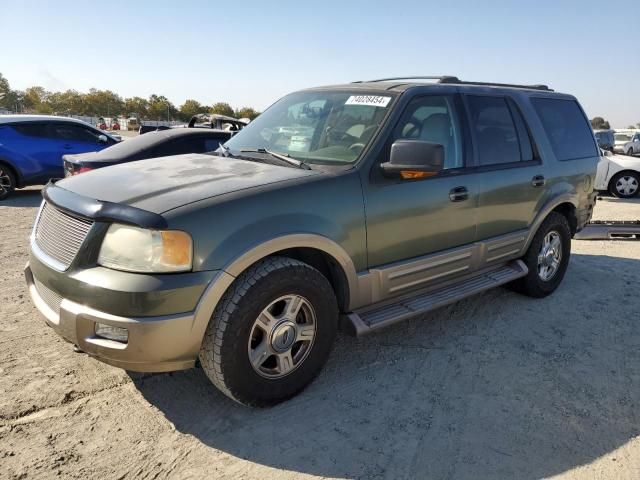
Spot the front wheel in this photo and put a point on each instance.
(547, 258)
(630, 152)
(271, 333)
(625, 185)
(7, 182)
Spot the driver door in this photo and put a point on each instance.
(421, 231)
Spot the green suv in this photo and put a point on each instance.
(353, 206)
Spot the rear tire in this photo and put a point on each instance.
(271, 333)
(625, 185)
(547, 258)
(7, 181)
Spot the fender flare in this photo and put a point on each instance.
(544, 213)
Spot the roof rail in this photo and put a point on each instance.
(441, 79)
(450, 79)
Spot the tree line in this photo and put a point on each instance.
(599, 123)
(105, 103)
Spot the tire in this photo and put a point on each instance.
(625, 185)
(534, 284)
(630, 152)
(7, 181)
(235, 332)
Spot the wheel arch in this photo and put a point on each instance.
(566, 205)
(320, 252)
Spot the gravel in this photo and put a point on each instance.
(496, 386)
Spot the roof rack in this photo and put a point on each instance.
(450, 79)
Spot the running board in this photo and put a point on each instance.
(610, 230)
(367, 320)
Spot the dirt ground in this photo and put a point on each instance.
(498, 386)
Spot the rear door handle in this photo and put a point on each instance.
(538, 181)
(459, 194)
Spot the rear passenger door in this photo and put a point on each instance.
(510, 174)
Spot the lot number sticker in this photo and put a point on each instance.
(369, 100)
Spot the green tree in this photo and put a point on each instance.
(246, 112)
(102, 103)
(35, 100)
(190, 108)
(160, 108)
(222, 108)
(5, 92)
(599, 123)
(136, 107)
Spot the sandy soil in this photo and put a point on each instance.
(497, 386)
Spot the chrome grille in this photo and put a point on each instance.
(51, 298)
(60, 235)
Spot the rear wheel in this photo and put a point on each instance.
(7, 181)
(271, 333)
(547, 258)
(630, 152)
(625, 185)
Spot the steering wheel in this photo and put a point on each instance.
(356, 147)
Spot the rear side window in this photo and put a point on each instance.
(567, 128)
(181, 146)
(31, 129)
(65, 131)
(496, 136)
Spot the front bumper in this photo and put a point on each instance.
(155, 343)
(618, 149)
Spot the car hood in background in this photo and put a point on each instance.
(161, 184)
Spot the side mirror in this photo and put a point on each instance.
(103, 138)
(411, 159)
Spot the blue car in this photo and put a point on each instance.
(32, 146)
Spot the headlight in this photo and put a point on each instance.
(140, 250)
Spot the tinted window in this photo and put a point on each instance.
(567, 128)
(433, 119)
(495, 133)
(180, 146)
(31, 129)
(66, 131)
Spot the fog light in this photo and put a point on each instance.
(109, 332)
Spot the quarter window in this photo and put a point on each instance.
(433, 119)
(496, 137)
(567, 128)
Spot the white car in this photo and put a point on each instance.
(618, 174)
(627, 142)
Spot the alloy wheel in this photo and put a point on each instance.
(550, 256)
(282, 336)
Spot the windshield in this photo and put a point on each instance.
(623, 137)
(315, 127)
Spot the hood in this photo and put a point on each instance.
(161, 184)
(98, 156)
(625, 161)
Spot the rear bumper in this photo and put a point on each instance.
(155, 343)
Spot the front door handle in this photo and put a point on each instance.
(538, 181)
(459, 194)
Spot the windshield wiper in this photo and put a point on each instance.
(226, 151)
(285, 158)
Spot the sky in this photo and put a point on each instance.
(250, 53)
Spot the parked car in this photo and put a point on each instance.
(619, 175)
(155, 144)
(606, 139)
(31, 148)
(627, 142)
(406, 197)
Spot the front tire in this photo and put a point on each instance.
(7, 182)
(625, 185)
(271, 333)
(547, 258)
(630, 152)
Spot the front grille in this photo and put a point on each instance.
(51, 298)
(60, 235)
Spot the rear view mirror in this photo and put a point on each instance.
(412, 159)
